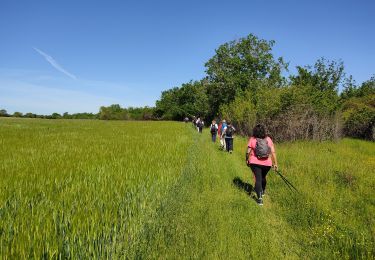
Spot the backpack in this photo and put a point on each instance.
(262, 150)
(213, 129)
(229, 131)
(223, 126)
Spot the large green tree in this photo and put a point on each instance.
(238, 66)
(3, 112)
(188, 100)
(321, 84)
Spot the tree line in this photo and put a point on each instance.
(112, 112)
(246, 84)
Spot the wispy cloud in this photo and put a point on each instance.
(54, 63)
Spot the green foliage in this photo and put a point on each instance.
(140, 113)
(367, 88)
(290, 113)
(359, 117)
(167, 107)
(241, 112)
(351, 90)
(188, 100)
(3, 113)
(116, 112)
(66, 115)
(245, 84)
(268, 101)
(238, 65)
(323, 102)
(17, 114)
(112, 112)
(55, 116)
(30, 115)
(358, 106)
(308, 108)
(326, 75)
(324, 81)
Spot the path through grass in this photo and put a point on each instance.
(206, 216)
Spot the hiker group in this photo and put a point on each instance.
(260, 152)
(225, 131)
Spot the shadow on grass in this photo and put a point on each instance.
(246, 187)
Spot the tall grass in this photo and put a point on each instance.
(96, 189)
(82, 188)
(332, 216)
(206, 216)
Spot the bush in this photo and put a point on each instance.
(303, 122)
(359, 117)
(241, 112)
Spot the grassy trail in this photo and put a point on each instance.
(206, 216)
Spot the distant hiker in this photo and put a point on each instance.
(228, 135)
(200, 126)
(194, 121)
(259, 156)
(197, 122)
(213, 129)
(219, 130)
(223, 125)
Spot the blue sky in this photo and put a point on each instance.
(74, 56)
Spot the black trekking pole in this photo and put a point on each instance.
(288, 183)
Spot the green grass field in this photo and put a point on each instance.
(115, 189)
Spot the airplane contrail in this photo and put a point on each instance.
(54, 63)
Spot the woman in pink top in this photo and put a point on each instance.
(260, 163)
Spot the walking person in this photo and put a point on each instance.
(219, 132)
(260, 155)
(213, 129)
(229, 135)
(223, 125)
(194, 121)
(197, 123)
(200, 126)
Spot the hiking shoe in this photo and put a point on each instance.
(260, 201)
